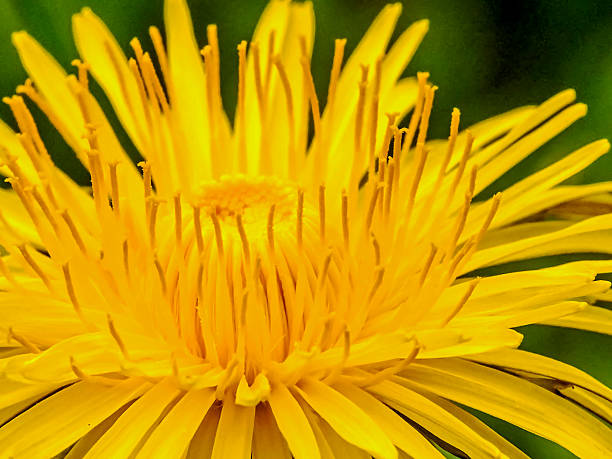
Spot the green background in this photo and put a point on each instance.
(486, 56)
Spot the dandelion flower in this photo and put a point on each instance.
(246, 291)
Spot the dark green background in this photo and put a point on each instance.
(486, 57)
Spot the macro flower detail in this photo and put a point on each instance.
(298, 282)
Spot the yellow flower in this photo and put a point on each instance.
(255, 292)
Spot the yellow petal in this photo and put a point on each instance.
(100, 50)
(480, 428)
(434, 418)
(587, 235)
(121, 439)
(235, 431)
(52, 425)
(593, 403)
(347, 419)
(402, 434)
(476, 343)
(50, 79)
(189, 102)
(267, 439)
(274, 19)
(591, 318)
(300, 25)
(292, 423)
(496, 392)
(82, 446)
(172, 436)
(544, 366)
(204, 439)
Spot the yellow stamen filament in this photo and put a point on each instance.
(319, 161)
(74, 231)
(270, 227)
(218, 233)
(178, 219)
(292, 153)
(243, 238)
(322, 212)
(299, 218)
(160, 50)
(339, 46)
(25, 342)
(240, 109)
(471, 287)
(71, 292)
(345, 220)
(198, 229)
(161, 274)
(112, 169)
(30, 261)
(113, 331)
(152, 221)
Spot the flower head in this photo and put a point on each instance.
(256, 288)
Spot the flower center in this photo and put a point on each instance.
(259, 202)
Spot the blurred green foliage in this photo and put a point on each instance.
(486, 56)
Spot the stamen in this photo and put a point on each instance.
(160, 50)
(73, 231)
(126, 258)
(240, 110)
(161, 274)
(376, 247)
(198, 229)
(71, 292)
(339, 46)
(322, 212)
(45, 208)
(218, 233)
(82, 72)
(452, 139)
(77, 371)
(7, 273)
(271, 227)
(112, 167)
(243, 238)
(359, 114)
(345, 222)
(427, 266)
(113, 331)
(460, 223)
(372, 207)
(299, 219)
(416, 114)
(380, 272)
(97, 179)
(271, 53)
(385, 374)
(461, 167)
(389, 186)
(293, 166)
(152, 220)
(25, 342)
(148, 188)
(151, 75)
(490, 216)
(464, 299)
(258, 83)
(39, 272)
(319, 159)
(178, 219)
(374, 121)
